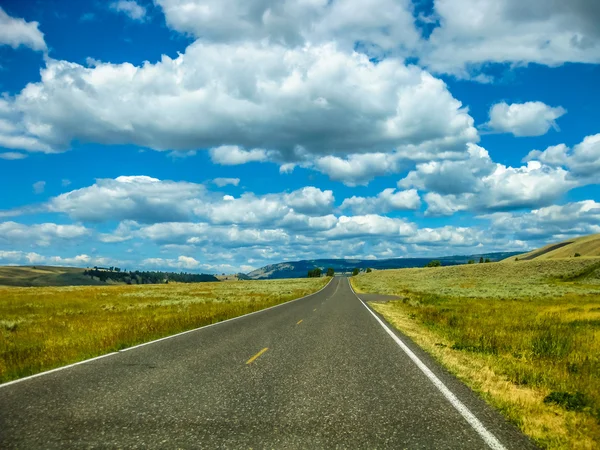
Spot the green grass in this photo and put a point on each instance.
(43, 328)
(526, 335)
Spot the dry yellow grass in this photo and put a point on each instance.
(585, 246)
(43, 328)
(516, 333)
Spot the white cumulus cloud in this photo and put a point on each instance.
(386, 201)
(475, 32)
(553, 223)
(226, 181)
(311, 100)
(478, 183)
(583, 161)
(381, 25)
(130, 8)
(232, 155)
(139, 198)
(16, 32)
(524, 119)
(39, 234)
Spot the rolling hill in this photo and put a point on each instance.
(298, 269)
(28, 276)
(38, 276)
(584, 246)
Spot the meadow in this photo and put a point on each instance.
(525, 335)
(45, 327)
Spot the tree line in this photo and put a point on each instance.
(316, 273)
(438, 263)
(140, 277)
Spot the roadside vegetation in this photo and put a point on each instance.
(526, 335)
(43, 328)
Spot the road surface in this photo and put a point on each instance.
(319, 372)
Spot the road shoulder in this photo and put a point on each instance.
(473, 399)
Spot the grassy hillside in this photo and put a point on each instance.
(44, 276)
(526, 335)
(585, 246)
(42, 328)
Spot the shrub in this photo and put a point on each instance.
(577, 255)
(330, 272)
(471, 261)
(434, 263)
(355, 272)
(369, 270)
(571, 402)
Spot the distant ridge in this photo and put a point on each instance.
(584, 246)
(299, 269)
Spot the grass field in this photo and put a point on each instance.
(43, 328)
(526, 335)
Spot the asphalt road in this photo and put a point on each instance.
(331, 377)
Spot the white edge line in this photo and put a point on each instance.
(8, 383)
(55, 370)
(487, 436)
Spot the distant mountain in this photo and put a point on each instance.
(299, 269)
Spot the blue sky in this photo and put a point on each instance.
(223, 135)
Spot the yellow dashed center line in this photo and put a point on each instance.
(251, 360)
(299, 322)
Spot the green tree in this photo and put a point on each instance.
(487, 260)
(471, 261)
(481, 260)
(315, 273)
(330, 272)
(355, 271)
(434, 263)
(369, 270)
